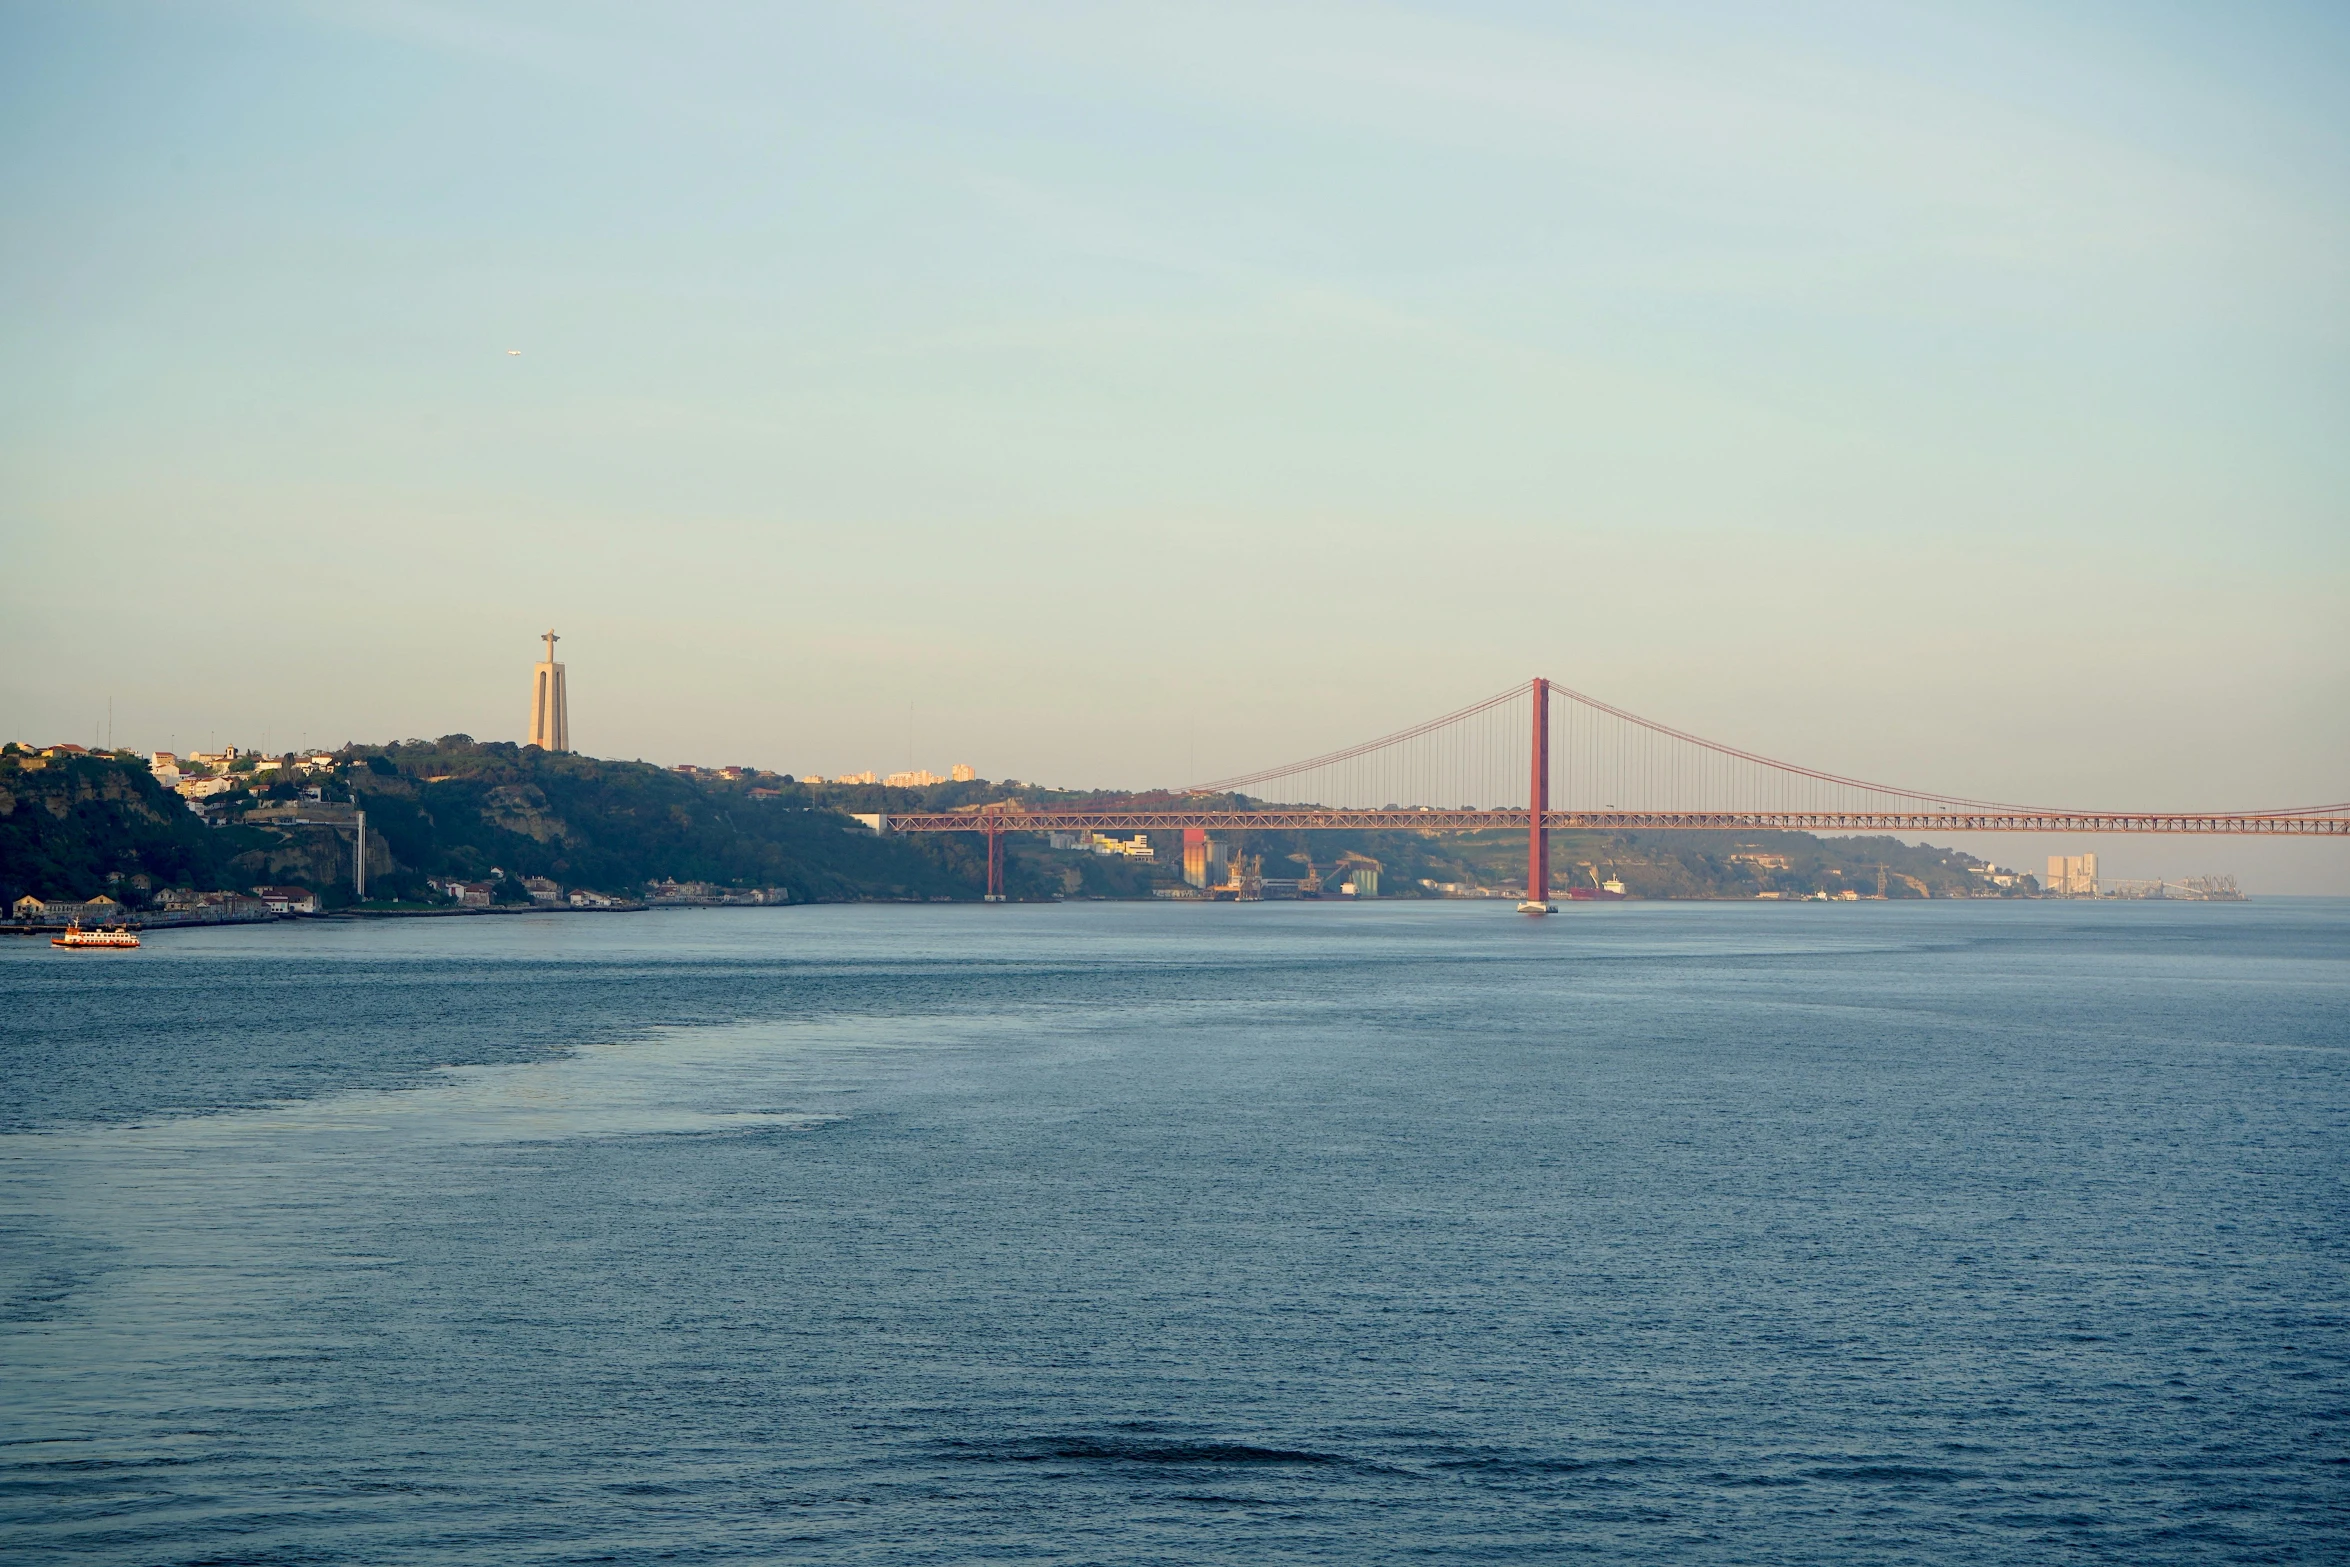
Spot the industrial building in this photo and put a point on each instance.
(2071, 876)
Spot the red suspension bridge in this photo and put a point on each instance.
(1542, 758)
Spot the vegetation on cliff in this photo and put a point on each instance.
(456, 807)
(79, 825)
(74, 826)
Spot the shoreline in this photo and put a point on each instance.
(1562, 906)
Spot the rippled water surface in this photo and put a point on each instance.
(1875, 1233)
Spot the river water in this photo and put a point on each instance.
(1184, 1234)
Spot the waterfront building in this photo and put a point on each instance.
(1204, 859)
(2072, 875)
(550, 704)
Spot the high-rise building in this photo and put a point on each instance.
(550, 709)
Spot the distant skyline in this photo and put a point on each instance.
(1951, 395)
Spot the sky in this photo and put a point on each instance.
(1128, 395)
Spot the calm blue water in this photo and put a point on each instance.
(1869, 1233)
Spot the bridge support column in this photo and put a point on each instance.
(995, 867)
(1537, 807)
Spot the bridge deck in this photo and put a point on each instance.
(1309, 819)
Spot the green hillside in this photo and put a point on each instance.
(76, 826)
(79, 825)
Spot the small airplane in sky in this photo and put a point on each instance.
(514, 353)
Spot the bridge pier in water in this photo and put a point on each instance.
(995, 867)
(1538, 807)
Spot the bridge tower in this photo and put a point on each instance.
(1537, 807)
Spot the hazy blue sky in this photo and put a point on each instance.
(1122, 393)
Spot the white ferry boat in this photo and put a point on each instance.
(104, 937)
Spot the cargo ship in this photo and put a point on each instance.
(1608, 890)
(118, 936)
